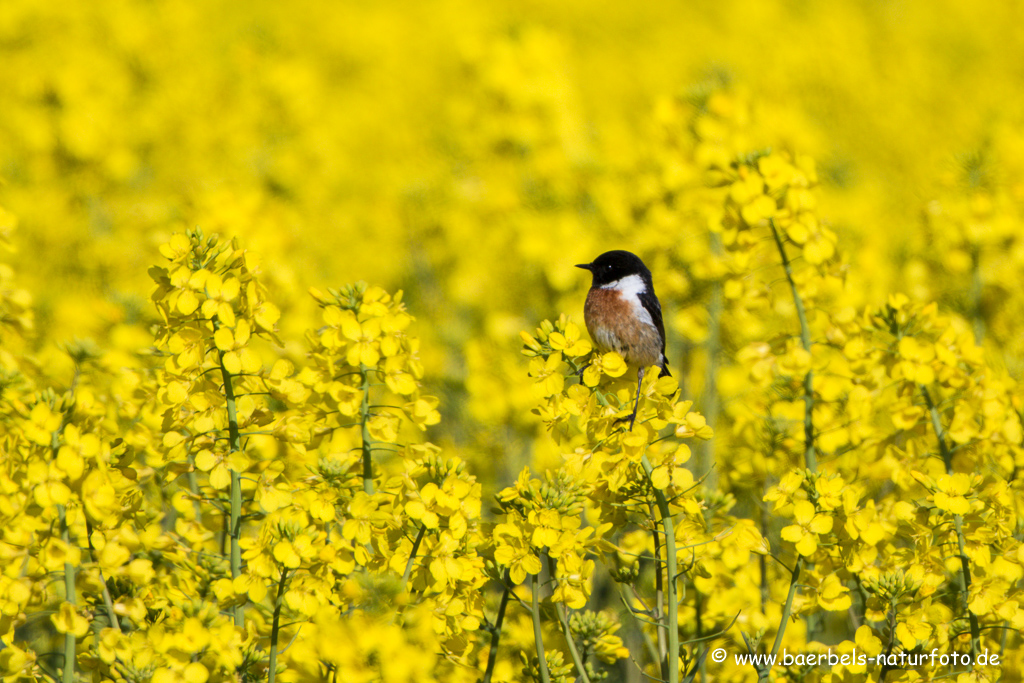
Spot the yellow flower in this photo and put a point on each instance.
(362, 512)
(761, 208)
(747, 188)
(513, 551)
(867, 641)
(397, 376)
(829, 490)
(41, 424)
(549, 380)
(384, 427)
(423, 411)
(950, 495)
(907, 417)
(68, 620)
(809, 525)
(572, 576)
(569, 342)
(364, 347)
(833, 595)
(236, 355)
(284, 552)
(913, 631)
(219, 295)
(547, 527)
(781, 494)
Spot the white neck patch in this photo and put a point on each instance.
(631, 285)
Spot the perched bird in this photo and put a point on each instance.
(623, 314)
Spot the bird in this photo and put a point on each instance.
(623, 314)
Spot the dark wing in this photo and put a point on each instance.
(653, 306)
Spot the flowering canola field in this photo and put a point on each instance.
(294, 383)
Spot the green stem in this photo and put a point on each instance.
(412, 556)
(965, 566)
(492, 656)
(538, 640)
(193, 486)
(762, 675)
(574, 652)
(765, 593)
(364, 419)
(236, 550)
(810, 455)
(235, 527)
(68, 673)
(275, 628)
(892, 642)
(810, 458)
(108, 602)
(671, 569)
(659, 602)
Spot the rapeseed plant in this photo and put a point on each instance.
(242, 469)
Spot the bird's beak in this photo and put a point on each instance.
(585, 266)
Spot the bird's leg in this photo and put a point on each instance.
(636, 406)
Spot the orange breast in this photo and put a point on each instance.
(614, 327)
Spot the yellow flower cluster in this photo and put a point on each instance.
(218, 508)
(232, 480)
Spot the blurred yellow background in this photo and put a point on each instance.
(470, 153)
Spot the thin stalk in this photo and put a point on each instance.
(538, 641)
(235, 531)
(364, 419)
(275, 629)
(574, 652)
(652, 649)
(765, 594)
(965, 566)
(68, 673)
(892, 642)
(659, 602)
(235, 526)
(412, 556)
(672, 570)
(108, 602)
(762, 675)
(810, 455)
(193, 486)
(810, 458)
(492, 656)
